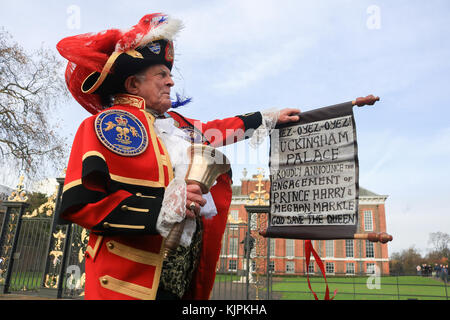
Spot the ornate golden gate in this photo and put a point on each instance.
(244, 271)
(38, 256)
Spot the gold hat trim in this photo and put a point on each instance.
(106, 68)
(105, 71)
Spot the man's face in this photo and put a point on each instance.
(154, 86)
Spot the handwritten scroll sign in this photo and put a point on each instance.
(314, 176)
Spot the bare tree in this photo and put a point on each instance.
(406, 261)
(31, 85)
(440, 241)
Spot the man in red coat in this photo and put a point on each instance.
(125, 177)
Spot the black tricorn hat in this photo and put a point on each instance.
(120, 66)
(99, 63)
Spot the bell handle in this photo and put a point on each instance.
(173, 238)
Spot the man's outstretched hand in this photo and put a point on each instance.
(288, 115)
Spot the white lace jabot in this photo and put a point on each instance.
(174, 202)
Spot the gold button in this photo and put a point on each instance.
(139, 194)
(105, 225)
(104, 281)
(124, 207)
(110, 245)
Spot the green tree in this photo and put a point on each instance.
(36, 199)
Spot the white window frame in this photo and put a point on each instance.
(234, 214)
(348, 269)
(368, 220)
(232, 263)
(349, 248)
(311, 268)
(272, 247)
(370, 249)
(329, 248)
(370, 268)
(233, 246)
(329, 267)
(290, 267)
(290, 248)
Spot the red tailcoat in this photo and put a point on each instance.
(118, 196)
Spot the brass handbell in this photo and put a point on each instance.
(206, 165)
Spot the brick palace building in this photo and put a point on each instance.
(344, 257)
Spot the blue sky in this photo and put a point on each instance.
(235, 57)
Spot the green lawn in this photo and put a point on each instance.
(356, 288)
(24, 280)
(227, 277)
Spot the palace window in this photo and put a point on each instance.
(233, 247)
(311, 267)
(369, 249)
(329, 248)
(234, 215)
(370, 268)
(329, 267)
(271, 266)
(349, 248)
(368, 220)
(290, 267)
(272, 247)
(232, 265)
(350, 268)
(289, 248)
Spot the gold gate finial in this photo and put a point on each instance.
(19, 195)
(259, 196)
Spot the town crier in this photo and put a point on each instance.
(125, 176)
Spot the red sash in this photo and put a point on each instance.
(308, 250)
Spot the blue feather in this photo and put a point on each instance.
(181, 101)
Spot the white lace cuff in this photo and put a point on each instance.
(269, 121)
(173, 210)
(209, 210)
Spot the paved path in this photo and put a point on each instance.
(22, 297)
